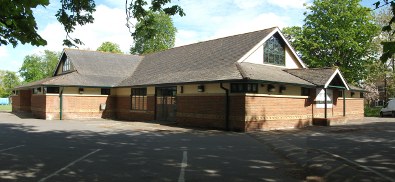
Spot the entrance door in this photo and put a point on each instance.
(166, 103)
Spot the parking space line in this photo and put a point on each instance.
(11, 148)
(184, 164)
(358, 165)
(65, 167)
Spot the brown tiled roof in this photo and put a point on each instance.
(270, 74)
(76, 79)
(205, 61)
(93, 69)
(316, 76)
(102, 63)
(214, 60)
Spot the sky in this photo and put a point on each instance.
(204, 20)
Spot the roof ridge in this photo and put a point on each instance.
(122, 53)
(216, 39)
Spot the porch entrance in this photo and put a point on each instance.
(166, 106)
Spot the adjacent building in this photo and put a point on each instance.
(242, 82)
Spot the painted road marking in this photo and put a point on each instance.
(11, 148)
(65, 167)
(184, 164)
(358, 165)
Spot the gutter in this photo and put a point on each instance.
(61, 103)
(226, 106)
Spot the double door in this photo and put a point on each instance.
(166, 106)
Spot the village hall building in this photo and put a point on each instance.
(243, 82)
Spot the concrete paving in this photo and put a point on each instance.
(362, 150)
(106, 150)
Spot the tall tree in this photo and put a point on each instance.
(8, 80)
(109, 47)
(153, 33)
(37, 67)
(388, 46)
(381, 19)
(18, 24)
(338, 33)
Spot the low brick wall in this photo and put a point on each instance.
(209, 111)
(268, 113)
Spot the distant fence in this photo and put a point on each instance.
(4, 101)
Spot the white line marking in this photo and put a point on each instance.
(184, 164)
(11, 148)
(65, 167)
(359, 165)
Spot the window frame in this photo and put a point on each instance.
(273, 53)
(66, 65)
(244, 88)
(49, 90)
(138, 99)
(105, 91)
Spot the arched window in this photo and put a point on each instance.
(66, 65)
(273, 51)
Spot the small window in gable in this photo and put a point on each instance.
(66, 65)
(274, 51)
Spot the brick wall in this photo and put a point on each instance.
(38, 106)
(266, 113)
(52, 107)
(22, 102)
(16, 103)
(124, 112)
(209, 111)
(83, 107)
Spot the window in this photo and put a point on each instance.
(273, 51)
(361, 95)
(36, 90)
(66, 65)
(106, 91)
(340, 93)
(139, 99)
(305, 91)
(244, 87)
(52, 90)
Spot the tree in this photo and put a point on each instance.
(37, 67)
(8, 80)
(18, 24)
(381, 19)
(109, 47)
(337, 34)
(388, 46)
(153, 33)
(295, 36)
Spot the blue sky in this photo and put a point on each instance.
(204, 20)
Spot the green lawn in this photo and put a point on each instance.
(7, 108)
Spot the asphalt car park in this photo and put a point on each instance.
(106, 150)
(367, 144)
